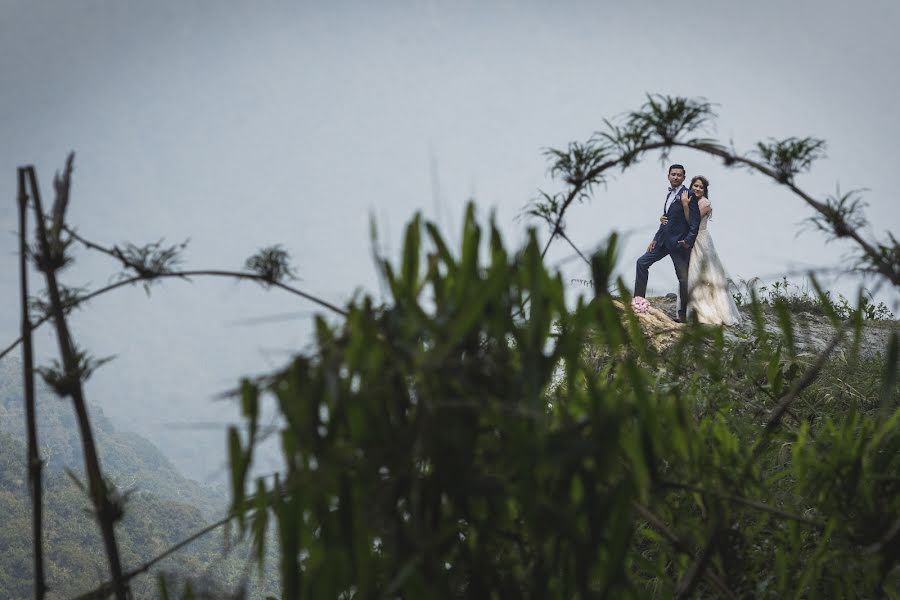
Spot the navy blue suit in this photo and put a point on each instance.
(666, 238)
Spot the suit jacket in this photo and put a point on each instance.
(679, 228)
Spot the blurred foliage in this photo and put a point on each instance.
(460, 442)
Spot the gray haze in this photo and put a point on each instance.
(242, 124)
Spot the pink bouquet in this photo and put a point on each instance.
(640, 305)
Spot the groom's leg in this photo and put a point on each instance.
(682, 260)
(643, 268)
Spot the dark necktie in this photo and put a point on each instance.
(666, 201)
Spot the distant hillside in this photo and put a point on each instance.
(163, 507)
(130, 460)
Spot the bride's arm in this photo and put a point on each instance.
(685, 200)
(705, 207)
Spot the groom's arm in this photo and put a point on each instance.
(656, 239)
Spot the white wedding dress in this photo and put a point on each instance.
(709, 298)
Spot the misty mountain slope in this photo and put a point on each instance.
(75, 561)
(130, 460)
(163, 507)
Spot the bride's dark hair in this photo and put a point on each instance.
(705, 184)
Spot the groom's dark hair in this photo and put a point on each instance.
(677, 167)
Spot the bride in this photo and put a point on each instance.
(709, 298)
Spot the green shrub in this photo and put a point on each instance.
(801, 299)
(460, 442)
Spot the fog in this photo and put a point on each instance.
(243, 125)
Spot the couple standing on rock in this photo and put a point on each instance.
(683, 235)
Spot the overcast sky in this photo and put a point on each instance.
(242, 124)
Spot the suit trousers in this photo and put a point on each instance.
(681, 259)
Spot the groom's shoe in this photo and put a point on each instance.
(681, 318)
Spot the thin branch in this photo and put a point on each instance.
(845, 230)
(689, 582)
(262, 279)
(889, 536)
(578, 187)
(574, 247)
(143, 274)
(638, 142)
(679, 546)
(106, 511)
(761, 506)
(105, 589)
(35, 464)
(182, 275)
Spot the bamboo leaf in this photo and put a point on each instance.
(412, 241)
(238, 472)
(889, 378)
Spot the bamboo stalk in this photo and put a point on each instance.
(106, 512)
(35, 464)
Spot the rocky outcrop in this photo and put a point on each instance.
(812, 332)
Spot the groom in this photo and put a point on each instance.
(675, 237)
